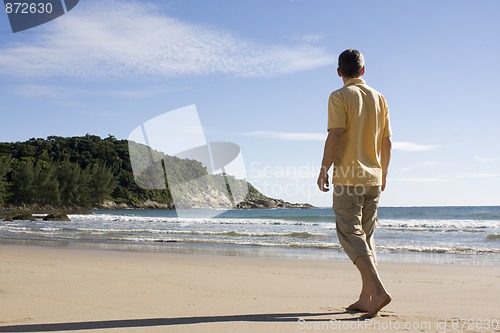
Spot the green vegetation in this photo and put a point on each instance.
(70, 172)
(88, 171)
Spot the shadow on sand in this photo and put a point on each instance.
(136, 323)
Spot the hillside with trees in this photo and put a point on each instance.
(90, 172)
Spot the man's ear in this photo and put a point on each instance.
(362, 70)
(339, 72)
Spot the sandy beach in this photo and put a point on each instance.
(49, 289)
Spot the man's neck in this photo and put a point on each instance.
(345, 79)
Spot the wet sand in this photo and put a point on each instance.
(62, 289)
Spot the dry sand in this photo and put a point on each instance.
(62, 289)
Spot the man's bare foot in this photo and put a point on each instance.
(359, 306)
(378, 302)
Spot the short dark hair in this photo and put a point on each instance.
(351, 62)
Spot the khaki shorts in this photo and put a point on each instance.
(355, 210)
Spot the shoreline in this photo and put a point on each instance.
(264, 252)
(55, 289)
(440, 237)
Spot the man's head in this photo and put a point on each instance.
(351, 64)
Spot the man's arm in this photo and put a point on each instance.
(333, 144)
(385, 158)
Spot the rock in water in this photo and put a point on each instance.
(24, 216)
(57, 217)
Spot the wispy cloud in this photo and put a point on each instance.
(288, 136)
(38, 90)
(308, 38)
(482, 159)
(425, 164)
(477, 175)
(143, 92)
(412, 147)
(65, 94)
(120, 38)
(420, 180)
(452, 177)
(305, 136)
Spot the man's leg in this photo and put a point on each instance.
(371, 281)
(348, 207)
(369, 216)
(365, 203)
(370, 201)
(364, 301)
(379, 297)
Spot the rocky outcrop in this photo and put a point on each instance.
(210, 198)
(113, 205)
(22, 216)
(36, 216)
(270, 203)
(151, 204)
(215, 201)
(148, 204)
(57, 217)
(36, 213)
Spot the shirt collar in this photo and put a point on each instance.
(355, 80)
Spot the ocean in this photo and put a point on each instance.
(450, 235)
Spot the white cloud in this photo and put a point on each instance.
(412, 147)
(308, 38)
(425, 164)
(420, 180)
(477, 175)
(482, 159)
(119, 38)
(38, 90)
(144, 92)
(61, 93)
(419, 165)
(288, 136)
(304, 136)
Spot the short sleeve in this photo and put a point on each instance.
(336, 111)
(387, 122)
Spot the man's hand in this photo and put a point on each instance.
(323, 183)
(333, 144)
(384, 181)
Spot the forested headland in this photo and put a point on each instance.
(86, 172)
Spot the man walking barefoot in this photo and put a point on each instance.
(359, 146)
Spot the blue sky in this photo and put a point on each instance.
(260, 73)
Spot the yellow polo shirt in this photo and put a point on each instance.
(363, 113)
